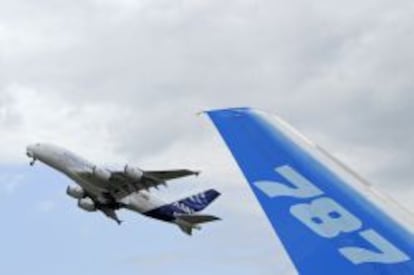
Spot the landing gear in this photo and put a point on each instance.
(118, 221)
(110, 213)
(33, 162)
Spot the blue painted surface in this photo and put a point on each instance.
(259, 147)
(200, 201)
(188, 205)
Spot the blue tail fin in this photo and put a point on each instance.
(325, 223)
(199, 202)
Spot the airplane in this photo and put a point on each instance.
(101, 189)
(325, 215)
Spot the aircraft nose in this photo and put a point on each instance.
(31, 150)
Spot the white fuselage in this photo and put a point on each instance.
(78, 169)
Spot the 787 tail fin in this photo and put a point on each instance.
(326, 225)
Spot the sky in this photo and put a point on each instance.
(122, 81)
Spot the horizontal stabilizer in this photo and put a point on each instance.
(189, 222)
(198, 219)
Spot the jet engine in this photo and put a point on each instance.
(87, 204)
(101, 173)
(133, 173)
(75, 191)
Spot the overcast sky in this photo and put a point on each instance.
(121, 81)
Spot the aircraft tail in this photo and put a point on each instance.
(199, 202)
(189, 222)
(325, 221)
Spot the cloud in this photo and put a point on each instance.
(47, 117)
(121, 81)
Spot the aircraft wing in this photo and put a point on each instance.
(170, 174)
(326, 224)
(150, 179)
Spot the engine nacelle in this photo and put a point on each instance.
(87, 204)
(101, 173)
(132, 173)
(75, 191)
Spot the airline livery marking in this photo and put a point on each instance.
(328, 219)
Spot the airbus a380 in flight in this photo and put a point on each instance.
(326, 216)
(101, 189)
